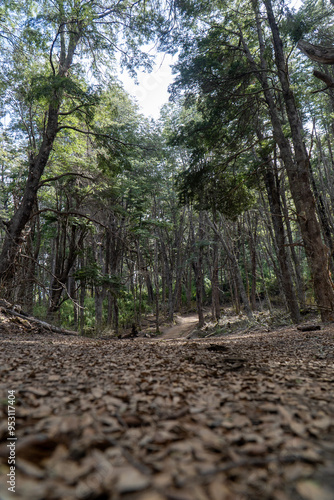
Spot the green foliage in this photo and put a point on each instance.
(40, 310)
(216, 191)
(92, 274)
(217, 126)
(49, 87)
(67, 314)
(314, 18)
(128, 309)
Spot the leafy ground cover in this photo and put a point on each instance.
(249, 415)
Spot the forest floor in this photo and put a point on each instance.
(248, 415)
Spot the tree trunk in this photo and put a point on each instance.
(188, 287)
(215, 278)
(197, 265)
(215, 281)
(37, 164)
(115, 315)
(16, 225)
(28, 267)
(252, 248)
(296, 270)
(273, 191)
(64, 266)
(73, 294)
(179, 259)
(98, 307)
(168, 277)
(82, 306)
(297, 166)
(236, 274)
(298, 174)
(156, 283)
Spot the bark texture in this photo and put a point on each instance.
(296, 162)
(318, 53)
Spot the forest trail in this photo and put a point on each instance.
(184, 326)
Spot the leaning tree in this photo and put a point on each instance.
(55, 55)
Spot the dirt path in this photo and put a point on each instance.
(184, 326)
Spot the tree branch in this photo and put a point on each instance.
(318, 53)
(69, 212)
(325, 78)
(74, 109)
(52, 47)
(98, 134)
(56, 178)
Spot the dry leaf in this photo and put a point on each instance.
(310, 490)
(130, 479)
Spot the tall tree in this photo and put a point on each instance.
(47, 66)
(229, 52)
(298, 173)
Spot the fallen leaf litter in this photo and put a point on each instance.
(248, 417)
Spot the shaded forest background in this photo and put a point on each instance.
(107, 216)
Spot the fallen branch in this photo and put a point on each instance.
(31, 319)
(308, 328)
